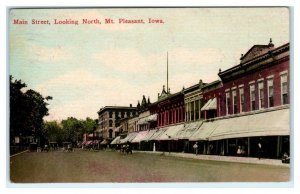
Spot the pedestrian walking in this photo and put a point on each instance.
(260, 150)
(195, 146)
(239, 151)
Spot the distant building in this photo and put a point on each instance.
(169, 108)
(109, 116)
(193, 102)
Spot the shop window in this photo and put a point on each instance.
(270, 93)
(284, 89)
(261, 94)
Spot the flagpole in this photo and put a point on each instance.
(167, 72)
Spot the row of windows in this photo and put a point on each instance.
(192, 110)
(232, 103)
(172, 116)
(121, 114)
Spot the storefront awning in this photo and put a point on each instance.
(170, 132)
(129, 137)
(147, 119)
(104, 142)
(188, 130)
(118, 129)
(272, 123)
(116, 141)
(204, 131)
(141, 135)
(157, 133)
(210, 105)
(149, 135)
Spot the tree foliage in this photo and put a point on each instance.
(27, 110)
(70, 129)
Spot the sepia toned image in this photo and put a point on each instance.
(149, 95)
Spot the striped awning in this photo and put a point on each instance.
(210, 105)
(128, 138)
(116, 140)
(147, 119)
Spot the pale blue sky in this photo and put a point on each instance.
(85, 67)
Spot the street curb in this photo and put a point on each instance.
(18, 153)
(244, 160)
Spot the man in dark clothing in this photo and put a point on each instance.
(129, 148)
(260, 151)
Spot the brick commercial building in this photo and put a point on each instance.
(250, 107)
(246, 112)
(109, 117)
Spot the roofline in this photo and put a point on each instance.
(254, 59)
(212, 83)
(194, 86)
(256, 45)
(115, 107)
(168, 97)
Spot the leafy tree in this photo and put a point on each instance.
(71, 127)
(53, 132)
(17, 109)
(27, 110)
(90, 125)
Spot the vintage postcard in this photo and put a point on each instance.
(149, 95)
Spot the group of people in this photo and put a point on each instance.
(126, 148)
(239, 152)
(210, 148)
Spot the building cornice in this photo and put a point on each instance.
(270, 57)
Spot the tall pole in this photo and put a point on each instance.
(167, 72)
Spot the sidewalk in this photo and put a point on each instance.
(247, 160)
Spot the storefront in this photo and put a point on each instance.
(241, 134)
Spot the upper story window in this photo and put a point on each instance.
(227, 103)
(186, 112)
(242, 99)
(110, 123)
(234, 101)
(192, 110)
(261, 94)
(197, 107)
(110, 114)
(284, 89)
(252, 96)
(270, 92)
